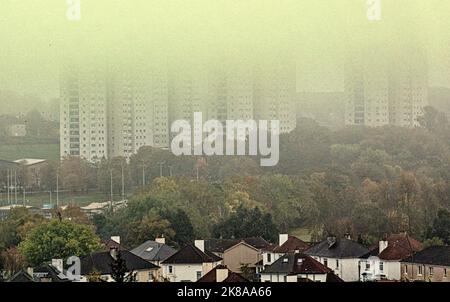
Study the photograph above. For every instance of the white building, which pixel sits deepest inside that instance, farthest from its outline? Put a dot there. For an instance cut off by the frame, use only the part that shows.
(342, 256)
(384, 261)
(190, 263)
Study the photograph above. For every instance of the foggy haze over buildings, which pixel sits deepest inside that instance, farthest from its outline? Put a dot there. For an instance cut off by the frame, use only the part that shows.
(319, 35)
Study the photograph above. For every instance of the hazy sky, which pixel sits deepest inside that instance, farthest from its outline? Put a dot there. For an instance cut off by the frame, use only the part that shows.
(36, 36)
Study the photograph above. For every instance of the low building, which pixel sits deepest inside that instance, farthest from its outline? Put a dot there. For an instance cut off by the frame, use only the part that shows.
(286, 244)
(190, 263)
(222, 274)
(298, 267)
(342, 255)
(155, 252)
(383, 261)
(100, 264)
(237, 253)
(431, 264)
(17, 130)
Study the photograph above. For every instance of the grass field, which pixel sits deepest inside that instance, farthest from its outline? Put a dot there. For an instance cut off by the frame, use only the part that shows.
(38, 199)
(41, 151)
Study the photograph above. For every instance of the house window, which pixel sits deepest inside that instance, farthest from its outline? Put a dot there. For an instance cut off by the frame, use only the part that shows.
(337, 263)
(406, 270)
(269, 258)
(325, 262)
(170, 269)
(367, 265)
(199, 275)
(431, 270)
(445, 272)
(420, 270)
(381, 266)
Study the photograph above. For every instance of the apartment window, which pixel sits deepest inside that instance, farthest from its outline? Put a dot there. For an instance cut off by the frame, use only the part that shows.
(269, 258)
(430, 269)
(325, 262)
(199, 275)
(420, 270)
(170, 269)
(381, 266)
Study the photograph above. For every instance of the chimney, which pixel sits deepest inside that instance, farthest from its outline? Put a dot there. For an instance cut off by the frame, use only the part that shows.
(283, 238)
(30, 271)
(200, 244)
(58, 264)
(383, 244)
(116, 239)
(161, 240)
(221, 273)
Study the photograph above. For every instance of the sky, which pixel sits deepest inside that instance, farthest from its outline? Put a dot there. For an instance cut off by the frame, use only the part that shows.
(36, 37)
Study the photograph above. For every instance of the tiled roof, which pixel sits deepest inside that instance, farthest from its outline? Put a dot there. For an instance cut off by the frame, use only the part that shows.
(154, 251)
(400, 246)
(338, 248)
(221, 245)
(297, 263)
(212, 275)
(191, 254)
(291, 245)
(435, 255)
(101, 263)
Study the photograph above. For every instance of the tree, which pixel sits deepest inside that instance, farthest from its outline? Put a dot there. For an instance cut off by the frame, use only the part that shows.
(247, 223)
(441, 227)
(119, 270)
(435, 241)
(13, 260)
(181, 224)
(58, 239)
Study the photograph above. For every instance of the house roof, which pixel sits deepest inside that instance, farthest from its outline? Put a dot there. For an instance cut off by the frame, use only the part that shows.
(221, 245)
(101, 263)
(399, 246)
(297, 263)
(291, 245)
(49, 271)
(29, 161)
(338, 248)
(211, 276)
(435, 255)
(154, 251)
(22, 276)
(191, 254)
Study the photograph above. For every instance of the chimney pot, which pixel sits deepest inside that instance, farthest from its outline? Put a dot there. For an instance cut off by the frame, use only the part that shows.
(200, 244)
(283, 238)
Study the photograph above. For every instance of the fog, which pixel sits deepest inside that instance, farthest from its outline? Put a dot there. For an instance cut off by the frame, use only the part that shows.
(36, 37)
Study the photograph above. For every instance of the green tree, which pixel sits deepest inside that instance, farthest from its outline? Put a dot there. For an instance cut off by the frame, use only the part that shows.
(441, 227)
(119, 270)
(58, 239)
(247, 223)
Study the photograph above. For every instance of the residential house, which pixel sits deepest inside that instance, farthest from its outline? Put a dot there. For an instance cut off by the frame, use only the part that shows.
(297, 267)
(431, 264)
(342, 255)
(190, 263)
(237, 253)
(155, 252)
(222, 274)
(286, 244)
(101, 264)
(383, 261)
